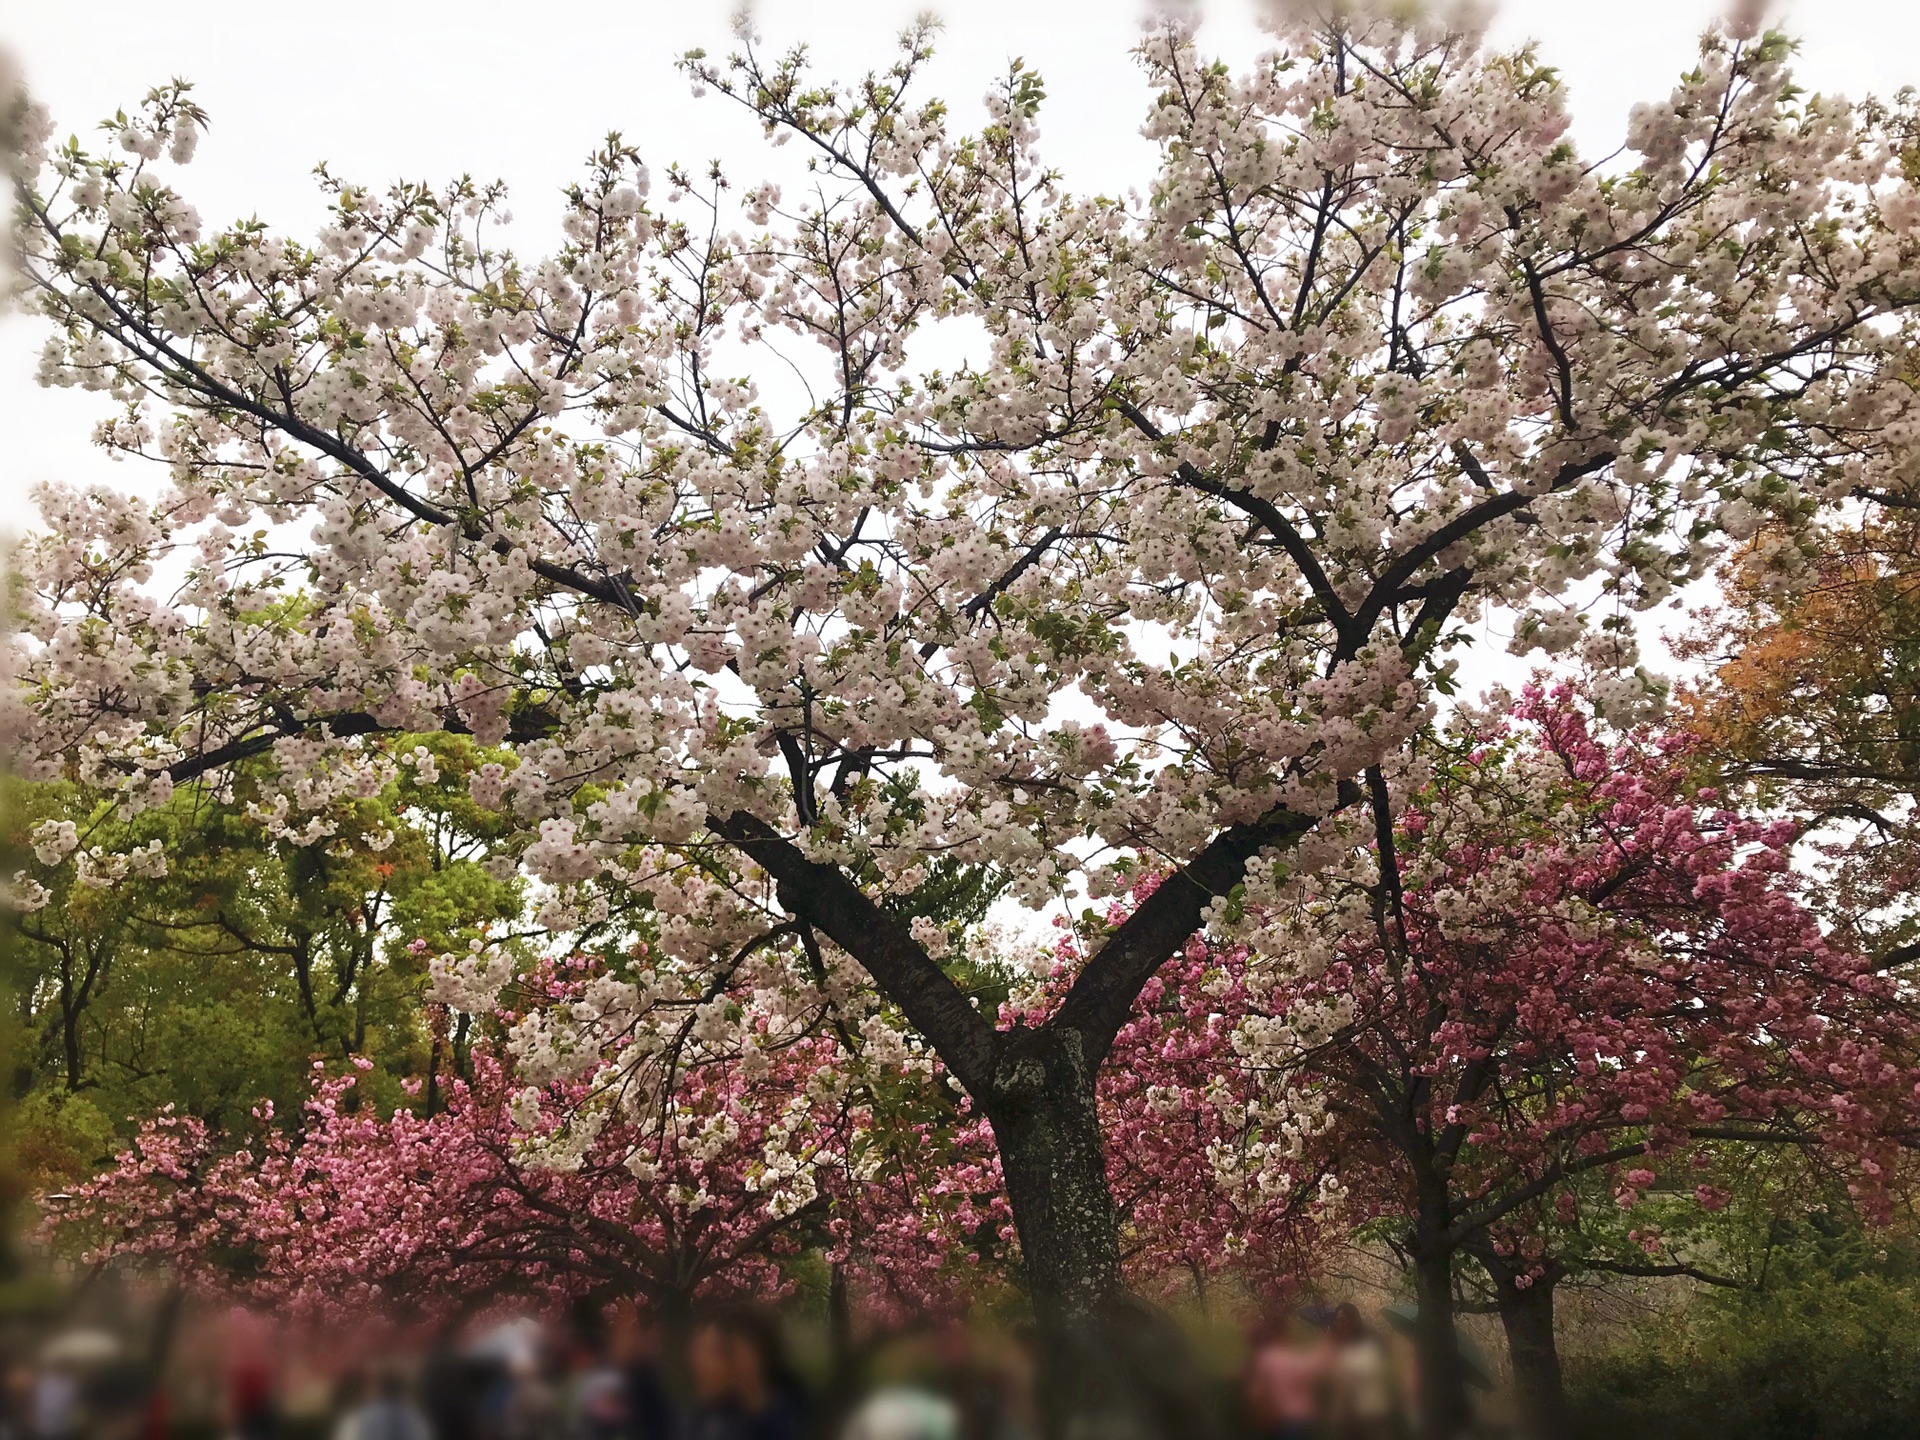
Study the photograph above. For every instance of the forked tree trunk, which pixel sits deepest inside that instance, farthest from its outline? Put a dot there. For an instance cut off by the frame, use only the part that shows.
(1036, 1088)
(1112, 1368)
(1048, 1130)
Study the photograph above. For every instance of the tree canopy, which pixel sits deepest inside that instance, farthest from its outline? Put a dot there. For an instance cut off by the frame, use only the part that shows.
(785, 572)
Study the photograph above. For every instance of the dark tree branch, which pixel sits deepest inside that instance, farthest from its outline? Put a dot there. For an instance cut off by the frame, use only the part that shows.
(825, 898)
(1692, 1272)
(1388, 588)
(1479, 1219)
(1100, 1000)
(1263, 511)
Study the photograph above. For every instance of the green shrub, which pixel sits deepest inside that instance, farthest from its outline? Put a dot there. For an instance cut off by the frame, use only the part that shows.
(1826, 1347)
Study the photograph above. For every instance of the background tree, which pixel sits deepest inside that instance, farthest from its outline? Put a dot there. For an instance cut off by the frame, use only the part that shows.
(1813, 704)
(1561, 961)
(228, 958)
(1821, 1347)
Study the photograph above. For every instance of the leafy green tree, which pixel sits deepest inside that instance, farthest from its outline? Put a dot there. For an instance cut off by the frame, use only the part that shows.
(1825, 1347)
(217, 980)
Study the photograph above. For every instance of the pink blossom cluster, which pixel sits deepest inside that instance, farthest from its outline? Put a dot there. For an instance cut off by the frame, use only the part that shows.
(1576, 963)
(495, 1189)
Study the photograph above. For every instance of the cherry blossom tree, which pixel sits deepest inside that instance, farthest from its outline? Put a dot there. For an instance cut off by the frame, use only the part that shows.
(777, 619)
(1213, 1171)
(166, 1199)
(504, 1190)
(408, 1219)
(1561, 963)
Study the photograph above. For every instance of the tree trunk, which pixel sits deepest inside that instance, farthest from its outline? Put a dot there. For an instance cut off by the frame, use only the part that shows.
(72, 1002)
(843, 1357)
(1527, 1315)
(303, 977)
(1111, 1366)
(673, 1314)
(433, 1075)
(1439, 1380)
(166, 1323)
(1047, 1127)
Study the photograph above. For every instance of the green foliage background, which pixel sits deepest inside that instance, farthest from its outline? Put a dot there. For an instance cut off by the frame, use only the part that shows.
(222, 984)
(1825, 1347)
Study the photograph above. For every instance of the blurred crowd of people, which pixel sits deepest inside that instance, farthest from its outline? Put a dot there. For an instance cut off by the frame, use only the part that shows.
(1316, 1375)
(518, 1380)
(1337, 1382)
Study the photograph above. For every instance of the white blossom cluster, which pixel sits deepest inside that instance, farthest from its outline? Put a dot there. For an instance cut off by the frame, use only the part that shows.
(1180, 548)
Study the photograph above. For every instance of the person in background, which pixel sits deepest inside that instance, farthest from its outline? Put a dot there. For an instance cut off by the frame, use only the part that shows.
(915, 1397)
(115, 1398)
(452, 1389)
(251, 1402)
(597, 1400)
(635, 1349)
(531, 1407)
(1361, 1399)
(385, 1412)
(54, 1412)
(1016, 1413)
(904, 1412)
(1286, 1381)
(16, 1399)
(742, 1388)
(991, 1382)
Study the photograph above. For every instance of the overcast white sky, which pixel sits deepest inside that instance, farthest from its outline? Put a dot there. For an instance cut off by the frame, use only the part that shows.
(385, 89)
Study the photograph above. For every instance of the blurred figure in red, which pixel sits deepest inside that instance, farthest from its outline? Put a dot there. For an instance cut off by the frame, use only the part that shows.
(251, 1403)
(16, 1399)
(1286, 1381)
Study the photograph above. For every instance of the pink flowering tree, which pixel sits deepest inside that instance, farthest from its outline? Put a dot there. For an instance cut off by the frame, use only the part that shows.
(550, 1193)
(168, 1200)
(406, 1218)
(1558, 965)
(1154, 570)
